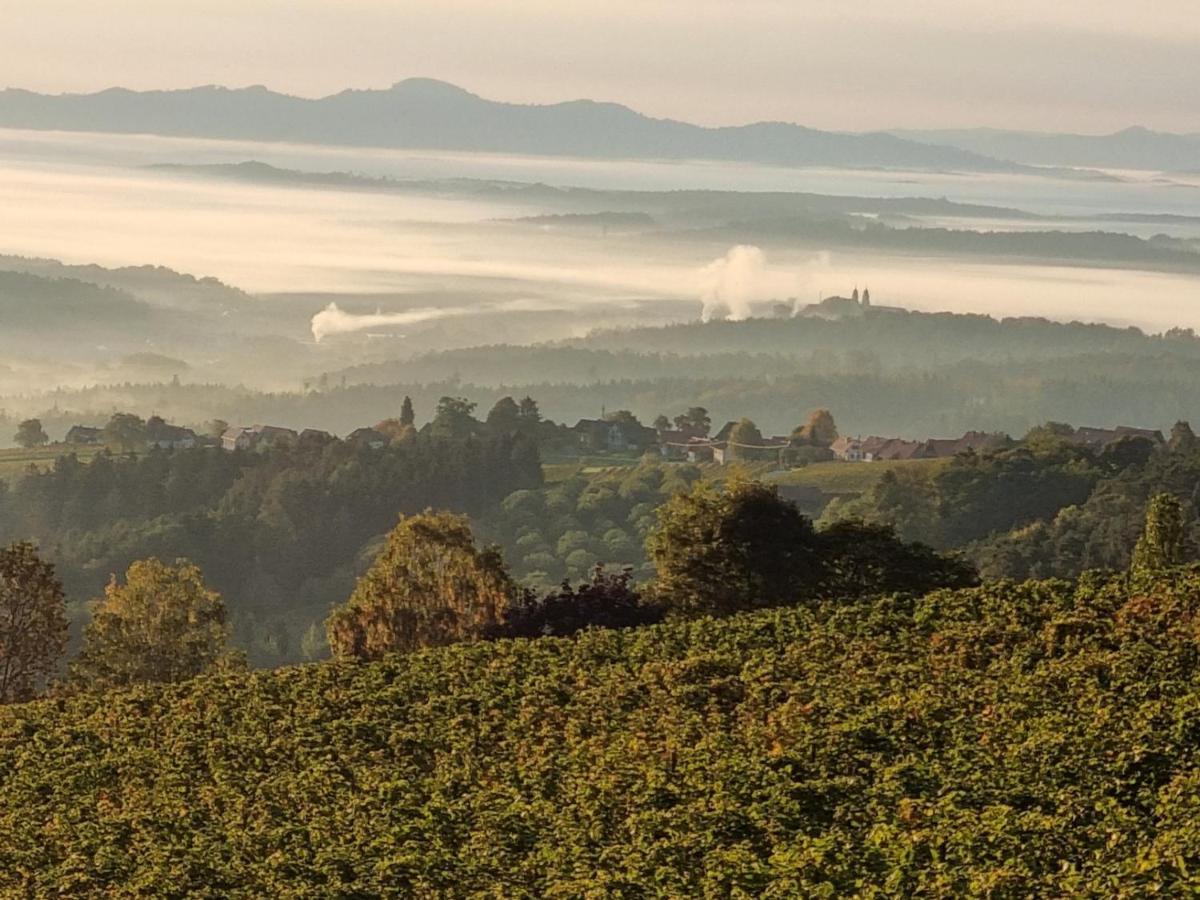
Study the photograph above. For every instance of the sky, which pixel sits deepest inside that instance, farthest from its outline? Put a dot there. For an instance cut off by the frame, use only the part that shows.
(1072, 65)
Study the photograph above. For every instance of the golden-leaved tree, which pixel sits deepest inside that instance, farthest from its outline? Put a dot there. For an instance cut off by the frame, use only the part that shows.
(162, 624)
(431, 585)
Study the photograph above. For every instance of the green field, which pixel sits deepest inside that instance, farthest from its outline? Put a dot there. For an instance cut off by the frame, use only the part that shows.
(16, 461)
(848, 477)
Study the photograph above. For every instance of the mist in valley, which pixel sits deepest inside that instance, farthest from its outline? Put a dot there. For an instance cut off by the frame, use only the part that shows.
(135, 259)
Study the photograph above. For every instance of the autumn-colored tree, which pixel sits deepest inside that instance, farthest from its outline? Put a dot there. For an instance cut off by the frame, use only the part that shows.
(395, 429)
(431, 585)
(819, 430)
(162, 624)
(33, 622)
(745, 440)
(31, 434)
(720, 551)
(1164, 537)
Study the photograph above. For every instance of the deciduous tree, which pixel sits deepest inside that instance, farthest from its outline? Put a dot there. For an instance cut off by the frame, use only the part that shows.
(1164, 537)
(33, 622)
(162, 624)
(30, 434)
(430, 585)
(718, 551)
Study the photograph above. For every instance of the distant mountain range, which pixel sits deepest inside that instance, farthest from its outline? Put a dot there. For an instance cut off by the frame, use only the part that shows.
(428, 114)
(423, 113)
(1132, 148)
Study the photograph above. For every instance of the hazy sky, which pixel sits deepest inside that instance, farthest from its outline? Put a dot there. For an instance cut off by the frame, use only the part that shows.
(1085, 65)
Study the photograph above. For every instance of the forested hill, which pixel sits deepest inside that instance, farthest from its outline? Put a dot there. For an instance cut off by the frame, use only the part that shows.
(880, 338)
(1006, 741)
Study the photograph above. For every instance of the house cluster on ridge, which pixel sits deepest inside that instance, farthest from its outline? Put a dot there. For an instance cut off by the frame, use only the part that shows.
(874, 448)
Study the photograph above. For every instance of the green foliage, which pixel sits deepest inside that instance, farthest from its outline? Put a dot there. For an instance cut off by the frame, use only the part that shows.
(30, 434)
(721, 551)
(1101, 529)
(33, 622)
(280, 534)
(607, 513)
(1032, 740)
(1164, 536)
(430, 586)
(861, 560)
(745, 440)
(504, 417)
(125, 431)
(454, 419)
(163, 624)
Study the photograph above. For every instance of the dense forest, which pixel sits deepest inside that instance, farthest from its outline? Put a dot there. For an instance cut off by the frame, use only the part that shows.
(281, 534)
(1046, 507)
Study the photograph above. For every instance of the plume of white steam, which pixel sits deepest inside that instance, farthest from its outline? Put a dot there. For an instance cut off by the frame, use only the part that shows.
(335, 320)
(729, 284)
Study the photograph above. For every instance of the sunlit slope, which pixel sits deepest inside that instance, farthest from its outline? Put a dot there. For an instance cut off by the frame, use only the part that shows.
(1007, 741)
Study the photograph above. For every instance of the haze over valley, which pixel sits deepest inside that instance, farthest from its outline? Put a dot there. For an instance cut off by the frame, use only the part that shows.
(297, 259)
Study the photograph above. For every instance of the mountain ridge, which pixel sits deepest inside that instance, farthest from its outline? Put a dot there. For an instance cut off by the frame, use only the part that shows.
(424, 113)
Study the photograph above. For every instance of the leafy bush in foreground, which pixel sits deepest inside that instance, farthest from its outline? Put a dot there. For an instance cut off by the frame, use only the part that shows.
(1014, 740)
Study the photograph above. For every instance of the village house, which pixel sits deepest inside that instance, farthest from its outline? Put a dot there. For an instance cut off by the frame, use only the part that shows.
(163, 436)
(875, 448)
(315, 436)
(615, 436)
(255, 436)
(1098, 438)
(367, 437)
(83, 435)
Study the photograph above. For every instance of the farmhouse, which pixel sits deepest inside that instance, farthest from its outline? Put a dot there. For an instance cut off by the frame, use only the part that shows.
(83, 434)
(875, 448)
(367, 437)
(168, 437)
(255, 436)
(1098, 438)
(602, 434)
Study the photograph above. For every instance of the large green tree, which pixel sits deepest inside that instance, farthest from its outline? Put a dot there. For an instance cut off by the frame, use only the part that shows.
(125, 430)
(721, 550)
(430, 585)
(162, 624)
(454, 419)
(31, 434)
(504, 417)
(33, 622)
